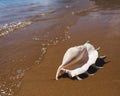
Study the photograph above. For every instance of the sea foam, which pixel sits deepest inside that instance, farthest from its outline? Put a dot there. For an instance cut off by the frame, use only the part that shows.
(11, 27)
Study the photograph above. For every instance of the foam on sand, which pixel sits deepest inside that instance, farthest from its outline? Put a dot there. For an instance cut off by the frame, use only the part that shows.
(8, 28)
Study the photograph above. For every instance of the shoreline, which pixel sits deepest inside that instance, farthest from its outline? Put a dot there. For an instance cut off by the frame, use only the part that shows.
(32, 47)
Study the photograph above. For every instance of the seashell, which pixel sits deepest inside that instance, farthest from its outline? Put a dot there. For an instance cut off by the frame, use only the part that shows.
(77, 60)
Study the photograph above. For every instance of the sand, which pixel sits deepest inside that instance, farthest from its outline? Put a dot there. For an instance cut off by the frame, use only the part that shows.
(40, 80)
(27, 69)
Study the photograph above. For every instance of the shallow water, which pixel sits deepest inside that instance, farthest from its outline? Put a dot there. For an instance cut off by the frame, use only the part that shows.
(30, 27)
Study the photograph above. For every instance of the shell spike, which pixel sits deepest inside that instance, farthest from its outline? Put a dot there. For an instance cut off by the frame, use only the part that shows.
(89, 74)
(87, 41)
(98, 48)
(78, 78)
(103, 57)
(97, 66)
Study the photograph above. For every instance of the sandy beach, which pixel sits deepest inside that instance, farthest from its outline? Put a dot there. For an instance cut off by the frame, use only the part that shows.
(32, 49)
(40, 80)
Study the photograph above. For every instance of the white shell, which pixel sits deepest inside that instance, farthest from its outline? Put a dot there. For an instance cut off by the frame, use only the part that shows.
(86, 54)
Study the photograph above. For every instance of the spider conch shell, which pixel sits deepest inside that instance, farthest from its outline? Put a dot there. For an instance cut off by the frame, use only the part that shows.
(77, 60)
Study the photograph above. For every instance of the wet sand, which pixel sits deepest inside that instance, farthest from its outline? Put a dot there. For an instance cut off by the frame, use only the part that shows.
(31, 51)
(40, 80)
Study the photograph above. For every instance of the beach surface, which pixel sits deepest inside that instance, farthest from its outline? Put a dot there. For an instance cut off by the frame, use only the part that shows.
(40, 80)
(32, 49)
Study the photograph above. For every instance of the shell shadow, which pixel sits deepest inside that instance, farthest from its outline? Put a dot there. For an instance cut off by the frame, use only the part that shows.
(91, 71)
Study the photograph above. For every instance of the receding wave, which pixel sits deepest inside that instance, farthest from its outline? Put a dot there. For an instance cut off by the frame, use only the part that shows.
(8, 28)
